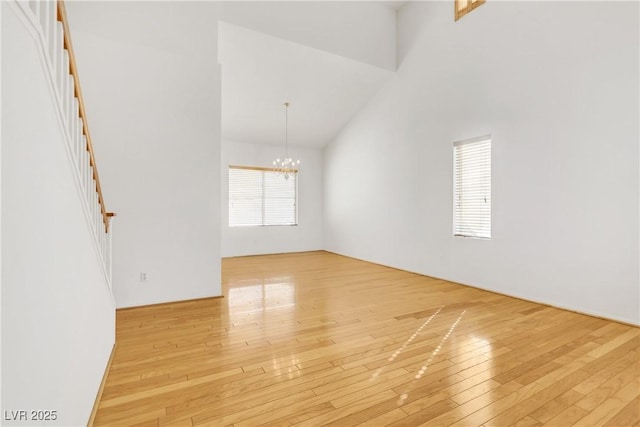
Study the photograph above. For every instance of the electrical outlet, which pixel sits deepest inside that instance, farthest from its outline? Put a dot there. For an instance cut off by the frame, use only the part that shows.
(143, 276)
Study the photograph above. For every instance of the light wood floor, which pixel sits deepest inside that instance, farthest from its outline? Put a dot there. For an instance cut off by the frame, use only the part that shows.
(317, 339)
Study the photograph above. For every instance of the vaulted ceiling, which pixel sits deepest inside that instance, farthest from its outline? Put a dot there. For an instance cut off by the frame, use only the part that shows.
(260, 72)
(327, 58)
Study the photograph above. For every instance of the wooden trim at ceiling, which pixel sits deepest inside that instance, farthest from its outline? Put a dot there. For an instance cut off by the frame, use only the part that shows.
(462, 7)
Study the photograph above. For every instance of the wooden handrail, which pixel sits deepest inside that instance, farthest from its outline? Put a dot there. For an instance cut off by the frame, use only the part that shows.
(73, 70)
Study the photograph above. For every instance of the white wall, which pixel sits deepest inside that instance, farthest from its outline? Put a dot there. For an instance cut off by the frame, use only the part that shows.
(58, 315)
(153, 98)
(556, 85)
(363, 31)
(307, 235)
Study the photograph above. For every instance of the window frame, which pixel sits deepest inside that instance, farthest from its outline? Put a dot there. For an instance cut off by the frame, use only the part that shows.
(263, 170)
(456, 196)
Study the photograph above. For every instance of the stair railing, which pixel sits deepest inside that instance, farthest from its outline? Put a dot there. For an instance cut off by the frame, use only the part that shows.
(50, 28)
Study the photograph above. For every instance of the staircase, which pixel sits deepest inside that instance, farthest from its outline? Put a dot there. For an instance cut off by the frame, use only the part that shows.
(48, 22)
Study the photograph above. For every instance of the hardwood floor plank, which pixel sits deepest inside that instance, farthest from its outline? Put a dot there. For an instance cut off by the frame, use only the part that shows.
(385, 419)
(166, 388)
(475, 391)
(428, 413)
(619, 379)
(602, 413)
(612, 370)
(315, 338)
(554, 407)
(295, 415)
(527, 422)
(537, 399)
(567, 417)
(627, 415)
(255, 410)
(497, 407)
(471, 406)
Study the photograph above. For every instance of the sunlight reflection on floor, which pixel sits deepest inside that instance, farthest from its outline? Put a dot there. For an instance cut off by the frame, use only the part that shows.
(406, 343)
(259, 295)
(434, 353)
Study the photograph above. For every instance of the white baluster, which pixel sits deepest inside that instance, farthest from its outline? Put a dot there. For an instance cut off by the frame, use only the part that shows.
(107, 261)
(83, 145)
(68, 123)
(88, 177)
(75, 111)
(59, 61)
(76, 106)
(106, 253)
(87, 189)
(102, 241)
(95, 221)
(98, 216)
(70, 107)
(58, 84)
(71, 119)
(92, 192)
(51, 33)
(64, 83)
(79, 137)
(45, 12)
(80, 167)
(84, 165)
(72, 125)
(109, 254)
(78, 158)
(92, 217)
(86, 184)
(94, 210)
(41, 10)
(90, 202)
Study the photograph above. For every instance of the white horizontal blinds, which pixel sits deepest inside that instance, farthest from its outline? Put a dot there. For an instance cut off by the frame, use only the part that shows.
(245, 197)
(472, 188)
(260, 196)
(280, 199)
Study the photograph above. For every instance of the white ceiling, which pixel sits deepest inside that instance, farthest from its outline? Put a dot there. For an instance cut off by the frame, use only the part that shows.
(393, 4)
(260, 72)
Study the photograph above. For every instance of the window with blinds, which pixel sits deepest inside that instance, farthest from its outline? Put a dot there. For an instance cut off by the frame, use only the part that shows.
(259, 196)
(472, 188)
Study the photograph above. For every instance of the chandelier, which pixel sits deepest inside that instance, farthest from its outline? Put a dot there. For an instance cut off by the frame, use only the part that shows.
(286, 166)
